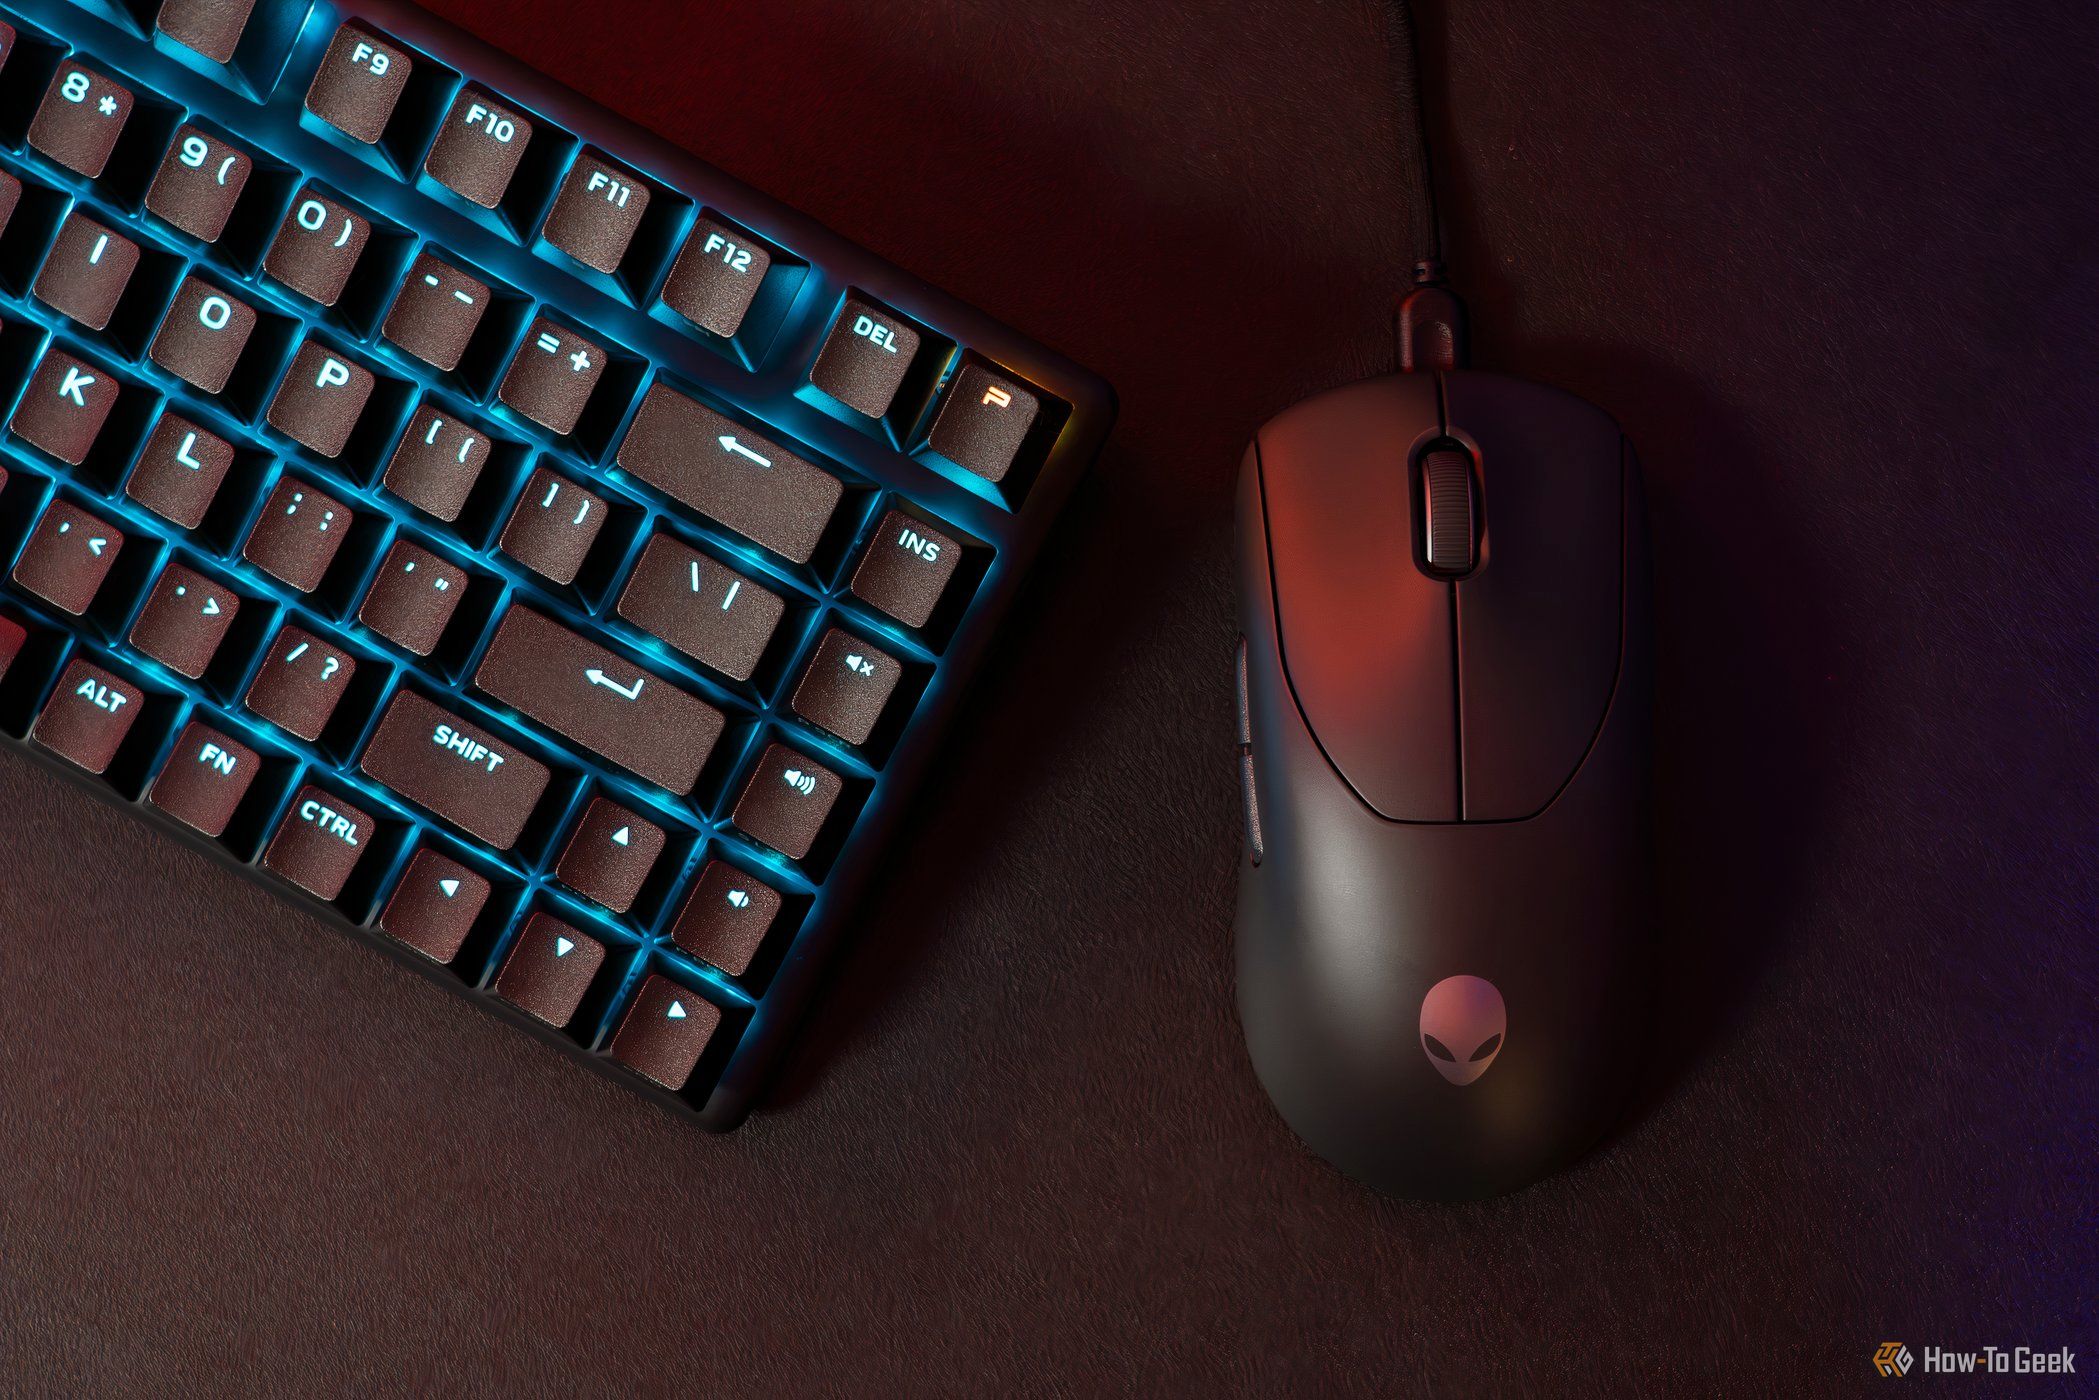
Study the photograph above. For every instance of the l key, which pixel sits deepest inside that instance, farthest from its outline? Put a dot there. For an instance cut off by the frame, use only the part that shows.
(608, 705)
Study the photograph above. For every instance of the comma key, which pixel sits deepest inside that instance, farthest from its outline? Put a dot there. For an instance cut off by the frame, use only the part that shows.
(206, 776)
(470, 777)
(320, 842)
(68, 555)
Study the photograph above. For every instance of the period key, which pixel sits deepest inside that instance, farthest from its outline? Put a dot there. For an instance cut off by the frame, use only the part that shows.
(470, 777)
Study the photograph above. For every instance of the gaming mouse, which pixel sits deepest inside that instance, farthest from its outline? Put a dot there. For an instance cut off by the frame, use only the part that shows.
(1444, 695)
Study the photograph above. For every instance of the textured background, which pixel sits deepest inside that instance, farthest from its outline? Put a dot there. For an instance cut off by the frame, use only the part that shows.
(1834, 268)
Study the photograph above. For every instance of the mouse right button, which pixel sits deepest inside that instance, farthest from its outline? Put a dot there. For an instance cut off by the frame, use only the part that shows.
(1538, 621)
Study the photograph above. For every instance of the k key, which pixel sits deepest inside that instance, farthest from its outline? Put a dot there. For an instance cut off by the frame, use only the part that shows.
(65, 406)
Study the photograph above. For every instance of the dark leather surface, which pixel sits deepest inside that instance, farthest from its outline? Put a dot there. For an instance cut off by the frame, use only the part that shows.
(1832, 266)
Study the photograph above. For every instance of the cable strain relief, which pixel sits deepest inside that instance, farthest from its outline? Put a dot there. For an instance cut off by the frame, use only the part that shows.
(1428, 325)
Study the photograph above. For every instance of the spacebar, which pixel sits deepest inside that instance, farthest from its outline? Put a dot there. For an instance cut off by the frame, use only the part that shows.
(607, 704)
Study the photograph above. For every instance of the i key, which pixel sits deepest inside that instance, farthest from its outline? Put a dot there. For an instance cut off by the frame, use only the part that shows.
(413, 597)
(360, 80)
(206, 776)
(553, 527)
(300, 683)
(319, 843)
(436, 463)
(321, 398)
(88, 716)
(210, 27)
(67, 557)
(551, 376)
(203, 334)
(595, 215)
(65, 406)
(549, 968)
(296, 536)
(179, 470)
(200, 178)
(435, 312)
(707, 610)
(316, 247)
(478, 147)
(185, 621)
(85, 274)
(78, 122)
(434, 907)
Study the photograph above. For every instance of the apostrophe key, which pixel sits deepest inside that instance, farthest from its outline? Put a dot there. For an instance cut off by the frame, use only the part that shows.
(360, 80)
(707, 610)
(65, 406)
(413, 597)
(297, 535)
(478, 147)
(88, 716)
(185, 620)
(865, 358)
(319, 843)
(434, 907)
(665, 1032)
(202, 337)
(211, 27)
(300, 682)
(787, 800)
(609, 856)
(549, 969)
(729, 473)
(80, 118)
(846, 686)
(205, 777)
(477, 780)
(179, 470)
(317, 246)
(69, 554)
(201, 177)
(436, 463)
(906, 568)
(595, 215)
(86, 271)
(727, 918)
(525, 541)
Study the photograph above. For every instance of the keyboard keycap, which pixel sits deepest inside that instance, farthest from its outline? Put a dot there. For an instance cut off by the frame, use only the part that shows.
(185, 621)
(983, 421)
(199, 181)
(202, 337)
(726, 919)
(210, 27)
(86, 271)
(865, 358)
(717, 274)
(436, 463)
(787, 801)
(551, 376)
(320, 399)
(595, 215)
(360, 80)
(847, 686)
(435, 312)
(478, 782)
(906, 568)
(317, 246)
(300, 683)
(13, 637)
(179, 470)
(413, 597)
(206, 776)
(665, 1032)
(553, 527)
(10, 196)
(478, 147)
(296, 536)
(434, 907)
(549, 969)
(65, 406)
(88, 716)
(707, 610)
(610, 855)
(730, 474)
(319, 843)
(68, 556)
(577, 688)
(80, 118)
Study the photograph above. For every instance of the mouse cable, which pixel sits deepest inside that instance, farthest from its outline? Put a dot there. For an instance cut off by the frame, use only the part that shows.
(1429, 320)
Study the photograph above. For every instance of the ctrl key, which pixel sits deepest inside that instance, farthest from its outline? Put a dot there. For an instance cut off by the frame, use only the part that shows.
(549, 969)
(87, 716)
(318, 846)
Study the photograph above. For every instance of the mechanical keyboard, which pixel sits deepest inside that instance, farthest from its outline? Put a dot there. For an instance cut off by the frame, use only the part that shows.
(540, 554)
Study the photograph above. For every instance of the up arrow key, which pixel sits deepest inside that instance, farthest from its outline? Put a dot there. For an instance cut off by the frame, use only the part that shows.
(677, 1011)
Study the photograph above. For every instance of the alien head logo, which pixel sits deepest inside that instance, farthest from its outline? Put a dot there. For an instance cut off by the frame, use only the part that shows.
(1463, 1022)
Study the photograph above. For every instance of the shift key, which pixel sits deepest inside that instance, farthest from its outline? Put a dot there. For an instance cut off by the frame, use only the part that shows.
(460, 771)
(607, 704)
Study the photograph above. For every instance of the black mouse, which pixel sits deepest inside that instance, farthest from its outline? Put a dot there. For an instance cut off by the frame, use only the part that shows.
(1444, 698)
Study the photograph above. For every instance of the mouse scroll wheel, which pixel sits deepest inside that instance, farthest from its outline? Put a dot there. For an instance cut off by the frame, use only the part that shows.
(1448, 530)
